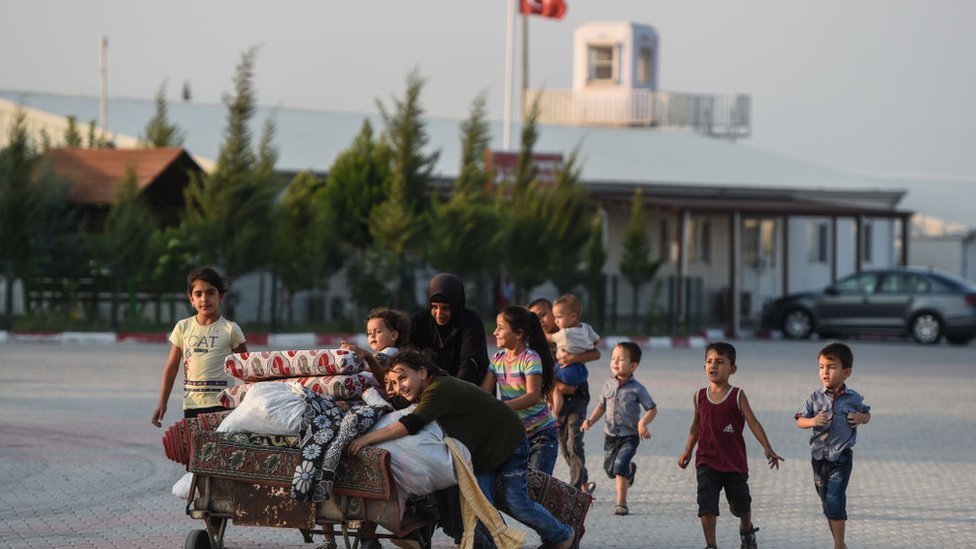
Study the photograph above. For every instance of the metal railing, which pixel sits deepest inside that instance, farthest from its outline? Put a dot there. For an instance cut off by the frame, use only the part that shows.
(718, 115)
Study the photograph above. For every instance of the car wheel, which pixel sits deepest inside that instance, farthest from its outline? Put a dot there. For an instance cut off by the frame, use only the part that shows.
(927, 328)
(797, 324)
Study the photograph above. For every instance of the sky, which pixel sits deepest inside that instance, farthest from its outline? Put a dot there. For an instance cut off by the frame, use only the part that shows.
(876, 87)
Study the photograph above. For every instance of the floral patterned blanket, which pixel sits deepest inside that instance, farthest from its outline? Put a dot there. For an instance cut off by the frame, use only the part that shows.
(326, 430)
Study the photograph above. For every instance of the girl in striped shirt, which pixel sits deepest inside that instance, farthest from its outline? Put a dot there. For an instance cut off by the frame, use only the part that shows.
(523, 372)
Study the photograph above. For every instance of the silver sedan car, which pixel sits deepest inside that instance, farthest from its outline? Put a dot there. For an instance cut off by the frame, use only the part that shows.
(924, 303)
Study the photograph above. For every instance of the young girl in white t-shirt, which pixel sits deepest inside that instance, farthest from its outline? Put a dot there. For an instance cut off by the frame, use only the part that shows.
(201, 343)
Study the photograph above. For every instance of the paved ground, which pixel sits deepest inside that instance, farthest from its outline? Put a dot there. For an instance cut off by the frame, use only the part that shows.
(80, 465)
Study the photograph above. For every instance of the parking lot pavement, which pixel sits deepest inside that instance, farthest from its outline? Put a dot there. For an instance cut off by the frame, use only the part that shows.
(80, 465)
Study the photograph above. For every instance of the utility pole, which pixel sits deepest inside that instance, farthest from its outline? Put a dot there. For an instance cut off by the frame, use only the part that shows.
(525, 67)
(509, 69)
(103, 83)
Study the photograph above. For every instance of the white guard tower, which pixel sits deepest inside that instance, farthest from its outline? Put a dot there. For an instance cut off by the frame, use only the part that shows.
(615, 83)
(614, 56)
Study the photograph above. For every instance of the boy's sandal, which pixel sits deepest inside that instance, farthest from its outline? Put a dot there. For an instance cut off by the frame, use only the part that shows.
(621, 510)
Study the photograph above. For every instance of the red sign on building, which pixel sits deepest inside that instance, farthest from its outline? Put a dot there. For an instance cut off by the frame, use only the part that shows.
(547, 166)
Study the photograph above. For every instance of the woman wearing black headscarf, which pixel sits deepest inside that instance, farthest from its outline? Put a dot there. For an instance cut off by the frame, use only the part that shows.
(453, 332)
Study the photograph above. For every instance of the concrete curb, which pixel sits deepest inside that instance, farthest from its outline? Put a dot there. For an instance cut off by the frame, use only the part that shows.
(310, 340)
(307, 340)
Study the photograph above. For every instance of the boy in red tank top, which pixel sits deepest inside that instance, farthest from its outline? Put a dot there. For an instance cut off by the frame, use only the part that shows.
(721, 411)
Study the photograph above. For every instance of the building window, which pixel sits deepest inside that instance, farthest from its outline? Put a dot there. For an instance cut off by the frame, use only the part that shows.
(817, 241)
(664, 243)
(644, 66)
(700, 244)
(759, 243)
(603, 64)
(867, 242)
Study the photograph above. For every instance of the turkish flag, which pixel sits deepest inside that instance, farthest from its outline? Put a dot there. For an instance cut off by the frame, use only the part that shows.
(555, 9)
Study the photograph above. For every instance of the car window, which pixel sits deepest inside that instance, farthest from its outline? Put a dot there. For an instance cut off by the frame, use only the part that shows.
(857, 284)
(904, 283)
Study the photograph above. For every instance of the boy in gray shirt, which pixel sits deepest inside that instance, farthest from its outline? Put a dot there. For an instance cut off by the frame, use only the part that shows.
(622, 399)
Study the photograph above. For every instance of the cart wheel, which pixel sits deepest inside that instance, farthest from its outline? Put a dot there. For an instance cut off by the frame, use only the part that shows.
(197, 539)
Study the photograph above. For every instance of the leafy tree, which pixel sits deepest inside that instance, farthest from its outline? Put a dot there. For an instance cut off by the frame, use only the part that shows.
(97, 139)
(635, 264)
(474, 175)
(594, 258)
(397, 222)
(229, 210)
(463, 239)
(121, 246)
(525, 217)
(365, 276)
(267, 152)
(525, 170)
(358, 180)
(568, 231)
(45, 141)
(463, 236)
(306, 251)
(31, 203)
(395, 230)
(406, 131)
(159, 131)
(72, 137)
(176, 253)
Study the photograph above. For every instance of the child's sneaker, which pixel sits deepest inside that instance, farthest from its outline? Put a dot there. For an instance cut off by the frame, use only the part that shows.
(589, 488)
(749, 539)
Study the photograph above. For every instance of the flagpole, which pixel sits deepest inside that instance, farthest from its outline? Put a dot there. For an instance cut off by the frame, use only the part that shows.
(509, 68)
(102, 84)
(523, 108)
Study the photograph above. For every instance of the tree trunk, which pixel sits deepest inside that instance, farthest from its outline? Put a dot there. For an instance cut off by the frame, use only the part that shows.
(8, 297)
(260, 296)
(114, 315)
(636, 299)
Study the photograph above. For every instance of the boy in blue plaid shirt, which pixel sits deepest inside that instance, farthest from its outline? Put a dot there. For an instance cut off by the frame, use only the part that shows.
(833, 412)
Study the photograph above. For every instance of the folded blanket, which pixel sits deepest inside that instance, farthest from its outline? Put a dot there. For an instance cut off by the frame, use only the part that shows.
(277, 364)
(178, 439)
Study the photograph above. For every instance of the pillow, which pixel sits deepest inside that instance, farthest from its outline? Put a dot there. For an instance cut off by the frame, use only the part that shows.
(278, 364)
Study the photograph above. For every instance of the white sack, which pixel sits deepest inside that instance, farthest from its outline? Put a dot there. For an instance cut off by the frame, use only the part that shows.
(421, 463)
(182, 487)
(270, 408)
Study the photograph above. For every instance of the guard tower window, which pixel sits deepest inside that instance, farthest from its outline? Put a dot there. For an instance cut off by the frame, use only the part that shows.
(603, 64)
(644, 66)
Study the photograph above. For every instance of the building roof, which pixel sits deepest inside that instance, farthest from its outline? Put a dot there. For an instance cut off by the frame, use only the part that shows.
(311, 140)
(95, 173)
